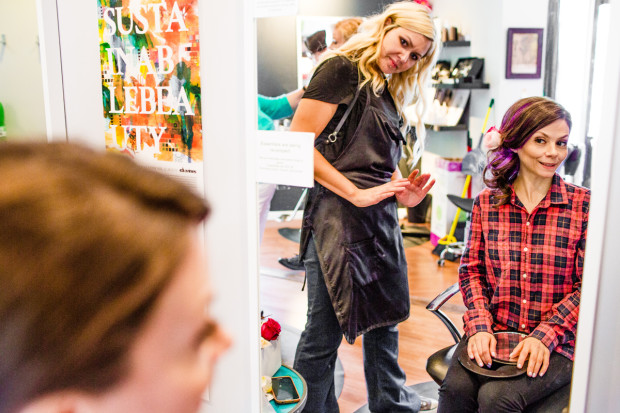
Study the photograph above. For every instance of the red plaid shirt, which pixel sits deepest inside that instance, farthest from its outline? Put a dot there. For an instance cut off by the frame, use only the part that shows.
(522, 272)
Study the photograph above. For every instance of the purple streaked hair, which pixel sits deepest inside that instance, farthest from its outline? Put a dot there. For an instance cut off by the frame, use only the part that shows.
(524, 118)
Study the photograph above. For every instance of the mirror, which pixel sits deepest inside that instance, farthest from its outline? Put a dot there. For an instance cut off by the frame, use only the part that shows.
(21, 84)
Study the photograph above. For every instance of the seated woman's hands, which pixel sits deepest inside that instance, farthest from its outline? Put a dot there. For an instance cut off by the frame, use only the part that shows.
(538, 355)
(481, 347)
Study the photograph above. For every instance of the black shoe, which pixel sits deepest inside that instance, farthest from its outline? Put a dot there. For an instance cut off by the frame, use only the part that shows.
(292, 263)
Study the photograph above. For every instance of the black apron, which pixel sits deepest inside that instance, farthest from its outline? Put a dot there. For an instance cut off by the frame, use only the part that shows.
(361, 249)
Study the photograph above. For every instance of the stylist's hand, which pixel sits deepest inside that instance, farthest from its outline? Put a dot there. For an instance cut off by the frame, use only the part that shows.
(372, 196)
(416, 190)
(538, 354)
(481, 347)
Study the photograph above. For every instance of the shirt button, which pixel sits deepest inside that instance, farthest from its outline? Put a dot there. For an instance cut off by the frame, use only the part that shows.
(524, 275)
(527, 223)
(525, 249)
(522, 325)
(524, 301)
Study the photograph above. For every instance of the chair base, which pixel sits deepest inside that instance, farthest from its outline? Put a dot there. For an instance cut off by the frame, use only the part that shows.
(427, 389)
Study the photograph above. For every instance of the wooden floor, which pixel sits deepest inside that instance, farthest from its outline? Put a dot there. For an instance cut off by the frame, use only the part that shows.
(422, 334)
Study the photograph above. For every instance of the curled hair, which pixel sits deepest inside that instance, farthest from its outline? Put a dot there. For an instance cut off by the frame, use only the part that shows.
(88, 243)
(522, 120)
(364, 48)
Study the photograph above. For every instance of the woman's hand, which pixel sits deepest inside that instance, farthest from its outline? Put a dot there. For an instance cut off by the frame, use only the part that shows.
(538, 355)
(481, 347)
(372, 196)
(416, 190)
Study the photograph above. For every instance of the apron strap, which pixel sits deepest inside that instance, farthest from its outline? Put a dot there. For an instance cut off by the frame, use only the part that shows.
(334, 135)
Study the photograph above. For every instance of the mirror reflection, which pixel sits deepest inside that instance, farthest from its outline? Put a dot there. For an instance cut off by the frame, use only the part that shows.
(469, 94)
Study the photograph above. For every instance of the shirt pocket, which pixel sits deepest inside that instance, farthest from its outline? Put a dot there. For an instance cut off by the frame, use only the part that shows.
(363, 261)
(500, 250)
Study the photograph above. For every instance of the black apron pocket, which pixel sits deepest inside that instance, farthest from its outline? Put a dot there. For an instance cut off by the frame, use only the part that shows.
(363, 261)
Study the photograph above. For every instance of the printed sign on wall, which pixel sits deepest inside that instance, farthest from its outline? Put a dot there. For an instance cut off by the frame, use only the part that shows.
(151, 84)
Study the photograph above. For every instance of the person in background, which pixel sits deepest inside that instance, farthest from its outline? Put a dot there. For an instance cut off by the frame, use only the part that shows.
(523, 265)
(343, 30)
(351, 242)
(99, 260)
(316, 45)
(269, 110)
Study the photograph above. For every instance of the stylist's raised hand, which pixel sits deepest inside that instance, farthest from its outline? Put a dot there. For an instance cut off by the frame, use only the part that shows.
(372, 196)
(481, 347)
(416, 190)
(538, 355)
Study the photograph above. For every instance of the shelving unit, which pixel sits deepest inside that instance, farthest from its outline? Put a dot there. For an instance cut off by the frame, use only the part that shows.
(463, 124)
(457, 43)
(462, 85)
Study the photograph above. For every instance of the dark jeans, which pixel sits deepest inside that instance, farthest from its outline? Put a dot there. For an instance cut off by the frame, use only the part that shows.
(464, 391)
(317, 350)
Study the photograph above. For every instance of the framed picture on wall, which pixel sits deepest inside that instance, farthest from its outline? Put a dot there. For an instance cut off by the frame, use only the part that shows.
(524, 53)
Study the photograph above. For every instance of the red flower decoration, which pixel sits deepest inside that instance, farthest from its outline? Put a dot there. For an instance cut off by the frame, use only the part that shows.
(270, 330)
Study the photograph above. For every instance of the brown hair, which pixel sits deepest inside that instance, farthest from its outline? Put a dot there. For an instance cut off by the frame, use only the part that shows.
(522, 120)
(88, 242)
(348, 27)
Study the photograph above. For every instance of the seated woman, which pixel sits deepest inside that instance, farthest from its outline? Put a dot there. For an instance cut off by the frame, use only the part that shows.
(523, 264)
(99, 261)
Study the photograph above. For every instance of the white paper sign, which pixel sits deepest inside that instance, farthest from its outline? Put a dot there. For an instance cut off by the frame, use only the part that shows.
(273, 8)
(285, 158)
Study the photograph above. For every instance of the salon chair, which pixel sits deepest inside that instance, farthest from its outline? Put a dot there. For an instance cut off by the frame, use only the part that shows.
(438, 363)
(293, 234)
(455, 250)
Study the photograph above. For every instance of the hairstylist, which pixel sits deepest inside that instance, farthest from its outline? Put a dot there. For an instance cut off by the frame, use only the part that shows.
(351, 241)
(523, 264)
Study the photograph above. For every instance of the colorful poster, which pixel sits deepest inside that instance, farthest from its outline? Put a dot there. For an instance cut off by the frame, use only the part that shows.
(151, 84)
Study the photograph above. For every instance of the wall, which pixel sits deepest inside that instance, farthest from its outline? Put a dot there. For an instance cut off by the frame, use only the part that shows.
(21, 91)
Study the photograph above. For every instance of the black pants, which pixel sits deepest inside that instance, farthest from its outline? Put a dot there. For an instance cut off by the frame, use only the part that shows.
(463, 391)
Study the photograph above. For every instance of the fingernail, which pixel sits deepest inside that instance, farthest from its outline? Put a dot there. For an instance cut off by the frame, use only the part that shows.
(494, 355)
(519, 366)
(489, 365)
(534, 375)
(480, 364)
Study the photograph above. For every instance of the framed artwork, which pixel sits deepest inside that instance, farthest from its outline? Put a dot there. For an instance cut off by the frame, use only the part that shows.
(524, 53)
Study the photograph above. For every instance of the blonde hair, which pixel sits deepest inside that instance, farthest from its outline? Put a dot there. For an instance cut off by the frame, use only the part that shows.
(348, 27)
(364, 49)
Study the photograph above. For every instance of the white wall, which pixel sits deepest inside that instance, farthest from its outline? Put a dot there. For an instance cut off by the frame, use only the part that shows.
(21, 91)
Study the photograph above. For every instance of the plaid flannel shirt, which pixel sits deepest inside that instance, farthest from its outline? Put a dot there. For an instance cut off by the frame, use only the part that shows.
(522, 272)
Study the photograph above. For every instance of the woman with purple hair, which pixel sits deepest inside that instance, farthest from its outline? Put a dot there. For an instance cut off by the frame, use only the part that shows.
(522, 269)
